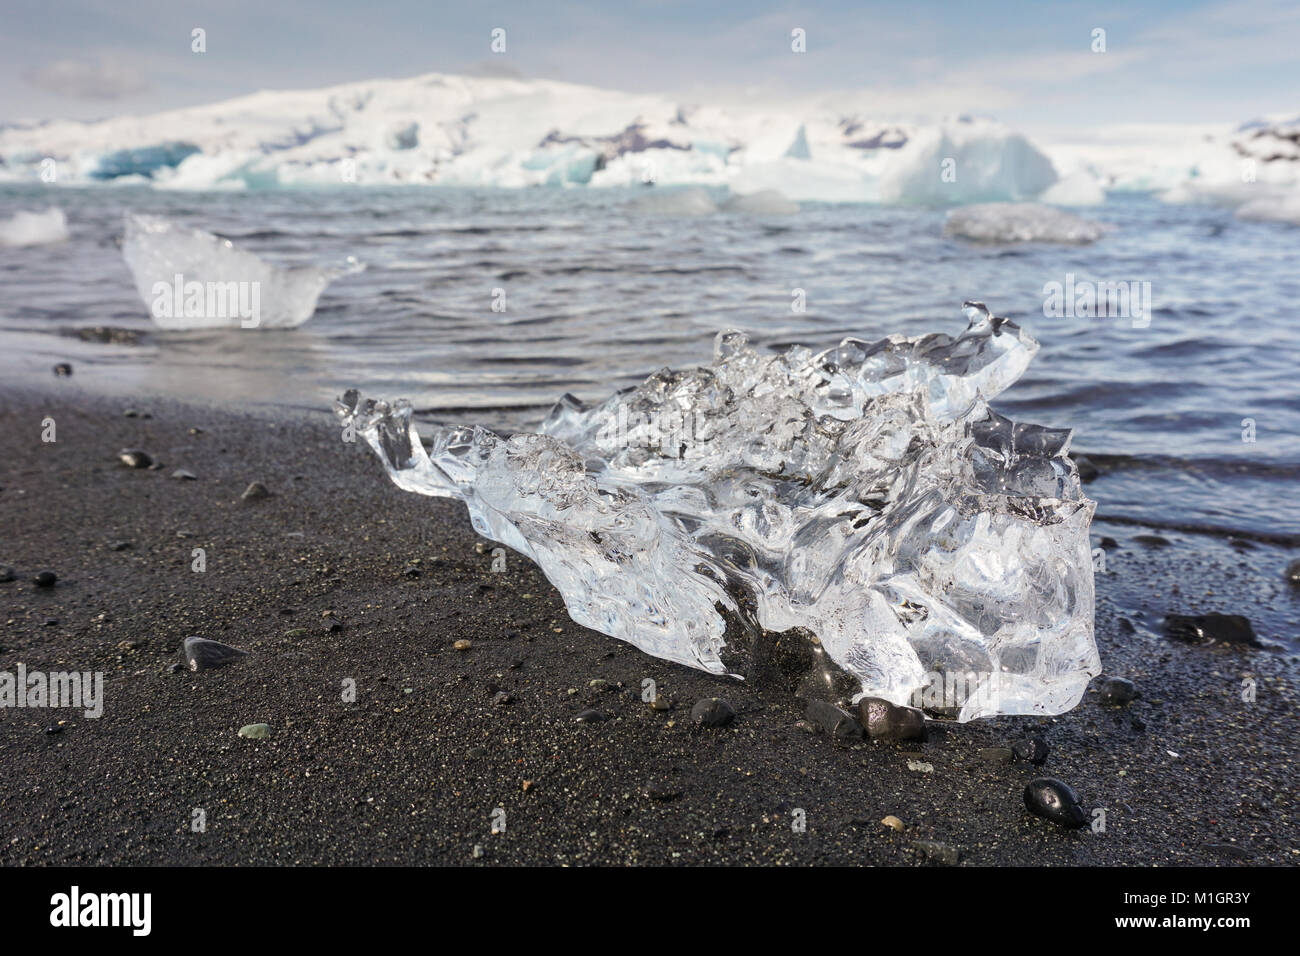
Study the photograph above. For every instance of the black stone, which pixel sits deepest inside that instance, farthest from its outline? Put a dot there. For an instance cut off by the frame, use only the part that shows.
(1211, 628)
(1293, 572)
(45, 579)
(712, 712)
(180, 474)
(63, 370)
(202, 654)
(836, 721)
(1033, 749)
(1117, 691)
(6, 573)
(135, 458)
(886, 721)
(937, 852)
(1055, 800)
(589, 717)
(663, 792)
(255, 491)
(1087, 470)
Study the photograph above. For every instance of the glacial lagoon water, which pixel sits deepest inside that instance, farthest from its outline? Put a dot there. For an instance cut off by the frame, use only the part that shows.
(599, 288)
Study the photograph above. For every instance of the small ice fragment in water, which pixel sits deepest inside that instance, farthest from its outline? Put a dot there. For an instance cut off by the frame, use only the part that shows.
(1021, 222)
(25, 228)
(220, 285)
(850, 523)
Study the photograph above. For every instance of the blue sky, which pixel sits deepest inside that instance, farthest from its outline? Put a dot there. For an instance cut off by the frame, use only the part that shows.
(1028, 63)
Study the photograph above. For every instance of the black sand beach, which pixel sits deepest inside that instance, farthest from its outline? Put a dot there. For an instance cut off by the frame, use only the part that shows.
(340, 575)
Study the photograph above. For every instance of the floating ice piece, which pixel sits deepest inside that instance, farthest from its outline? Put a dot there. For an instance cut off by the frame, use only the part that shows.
(34, 228)
(838, 524)
(1021, 222)
(1284, 207)
(692, 201)
(765, 202)
(191, 279)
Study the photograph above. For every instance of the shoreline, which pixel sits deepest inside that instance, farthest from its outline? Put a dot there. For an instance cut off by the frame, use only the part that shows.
(412, 771)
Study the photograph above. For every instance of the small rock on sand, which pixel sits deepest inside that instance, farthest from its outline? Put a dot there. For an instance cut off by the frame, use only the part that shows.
(202, 654)
(1055, 800)
(712, 712)
(255, 492)
(1117, 691)
(255, 731)
(886, 721)
(1210, 629)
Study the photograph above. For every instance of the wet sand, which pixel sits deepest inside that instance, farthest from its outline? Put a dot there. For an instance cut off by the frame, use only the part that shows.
(339, 576)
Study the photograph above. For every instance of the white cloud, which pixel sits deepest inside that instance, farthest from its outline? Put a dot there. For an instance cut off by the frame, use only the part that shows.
(96, 79)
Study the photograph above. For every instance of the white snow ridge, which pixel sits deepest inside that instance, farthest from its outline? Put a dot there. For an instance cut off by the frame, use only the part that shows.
(498, 131)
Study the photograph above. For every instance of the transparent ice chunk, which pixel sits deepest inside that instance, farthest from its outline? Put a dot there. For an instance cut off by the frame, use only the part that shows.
(850, 522)
(191, 279)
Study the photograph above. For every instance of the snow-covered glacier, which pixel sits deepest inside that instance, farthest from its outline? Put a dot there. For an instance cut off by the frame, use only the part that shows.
(508, 132)
(845, 523)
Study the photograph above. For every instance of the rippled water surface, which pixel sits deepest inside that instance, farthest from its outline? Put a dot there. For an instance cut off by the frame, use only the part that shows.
(601, 290)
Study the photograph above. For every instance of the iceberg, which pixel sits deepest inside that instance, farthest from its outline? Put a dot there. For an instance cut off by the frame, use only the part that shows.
(191, 279)
(1077, 189)
(34, 228)
(1283, 207)
(837, 524)
(508, 132)
(1021, 222)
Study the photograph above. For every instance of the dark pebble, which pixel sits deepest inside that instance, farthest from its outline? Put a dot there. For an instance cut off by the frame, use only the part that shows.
(663, 792)
(1152, 540)
(120, 546)
(45, 579)
(255, 491)
(839, 723)
(996, 755)
(1210, 628)
(1087, 470)
(134, 458)
(202, 654)
(886, 721)
(6, 573)
(712, 712)
(1293, 572)
(501, 698)
(1055, 800)
(1033, 749)
(54, 730)
(1109, 543)
(1117, 691)
(589, 717)
(175, 668)
(180, 474)
(63, 370)
(937, 852)
(51, 622)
